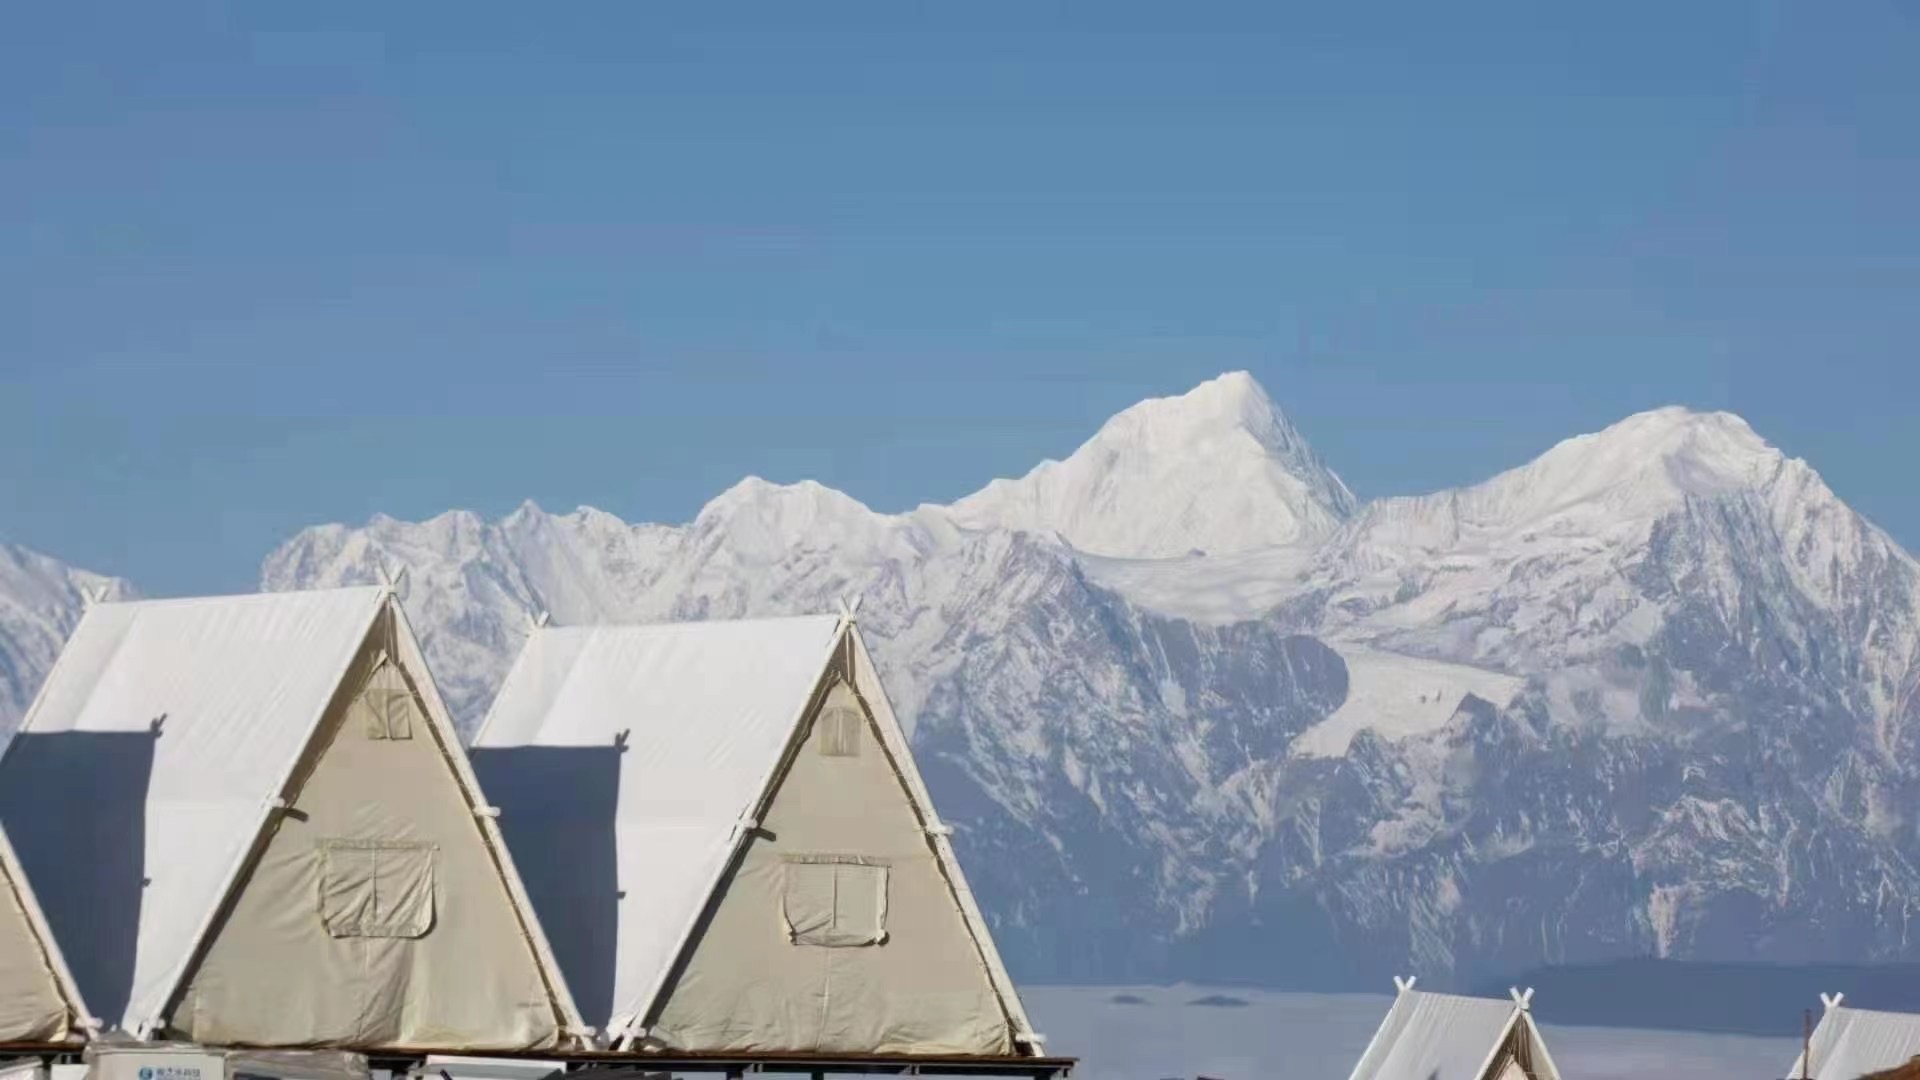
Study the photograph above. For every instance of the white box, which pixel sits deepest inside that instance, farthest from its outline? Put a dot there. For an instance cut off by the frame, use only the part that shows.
(135, 1063)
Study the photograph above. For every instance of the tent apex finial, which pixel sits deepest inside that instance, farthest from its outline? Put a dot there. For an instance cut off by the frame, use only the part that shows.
(1522, 999)
(1404, 983)
(850, 609)
(1831, 1001)
(390, 577)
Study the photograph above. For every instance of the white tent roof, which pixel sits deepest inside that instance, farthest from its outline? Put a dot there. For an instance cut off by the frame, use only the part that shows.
(710, 707)
(706, 710)
(1850, 1043)
(14, 880)
(236, 687)
(1445, 1037)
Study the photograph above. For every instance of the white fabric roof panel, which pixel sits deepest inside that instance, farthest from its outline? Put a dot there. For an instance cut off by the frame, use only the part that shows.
(1851, 1043)
(1437, 1037)
(705, 710)
(238, 685)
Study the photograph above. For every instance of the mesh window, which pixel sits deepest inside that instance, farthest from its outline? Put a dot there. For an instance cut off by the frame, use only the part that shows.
(840, 731)
(387, 705)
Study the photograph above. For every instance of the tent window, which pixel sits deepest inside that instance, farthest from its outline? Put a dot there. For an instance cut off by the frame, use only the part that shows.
(376, 888)
(840, 731)
(836, 901)
(389, 711)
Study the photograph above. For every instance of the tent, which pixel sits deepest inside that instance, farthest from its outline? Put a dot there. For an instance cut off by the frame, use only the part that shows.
(733, 833)
(1850, 1043)
(251, 824)
(39, 1002)
(1447, 1037)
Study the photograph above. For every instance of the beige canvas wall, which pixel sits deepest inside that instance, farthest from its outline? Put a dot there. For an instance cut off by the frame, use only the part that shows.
(1519, 1056)
(789, 959)
(376, 917)
(31, 1008)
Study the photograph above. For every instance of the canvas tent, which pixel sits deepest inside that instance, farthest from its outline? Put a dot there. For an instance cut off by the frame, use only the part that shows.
(759, 868)
(251, 824)
(1448, 1037)
(39, 1002)
(1851, 1043)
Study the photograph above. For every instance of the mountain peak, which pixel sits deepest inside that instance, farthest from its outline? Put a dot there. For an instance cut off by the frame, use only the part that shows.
(761, 497)
(1217, 469)
(1231, 401)
(767, 521)
(1621, 477)
(1650, 459)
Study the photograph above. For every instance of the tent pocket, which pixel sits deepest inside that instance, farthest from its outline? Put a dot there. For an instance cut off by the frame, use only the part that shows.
(837, 901)
(376, 888)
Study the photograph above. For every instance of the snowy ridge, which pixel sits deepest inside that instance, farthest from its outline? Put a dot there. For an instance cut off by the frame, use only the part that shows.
(41, 599)
(1195, 714)
(1652, 692)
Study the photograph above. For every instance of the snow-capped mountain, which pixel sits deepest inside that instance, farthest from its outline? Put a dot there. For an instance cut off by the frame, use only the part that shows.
(1198, 714)
(40, 600)
(1201, 715)
(1216, 470)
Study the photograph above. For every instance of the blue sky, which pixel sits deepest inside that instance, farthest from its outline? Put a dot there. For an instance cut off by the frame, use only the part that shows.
(270, 267)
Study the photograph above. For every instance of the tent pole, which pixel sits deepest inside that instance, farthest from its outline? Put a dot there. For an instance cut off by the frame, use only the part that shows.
(1806, 1044)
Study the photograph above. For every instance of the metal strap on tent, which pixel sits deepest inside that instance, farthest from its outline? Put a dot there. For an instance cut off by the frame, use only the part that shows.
(1404, 983)
(939, 828)
(1523, 999)
(486, 811)
(1031, 1038)
(1832, 1001)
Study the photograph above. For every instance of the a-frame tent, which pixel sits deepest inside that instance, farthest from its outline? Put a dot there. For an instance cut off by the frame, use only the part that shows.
(39, 1002)
(757, 865)
(251, 823)
(1449, 1037)
(1852, 1043)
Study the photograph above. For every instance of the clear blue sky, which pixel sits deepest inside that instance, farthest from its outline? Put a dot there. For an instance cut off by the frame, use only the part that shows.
(292, 263)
